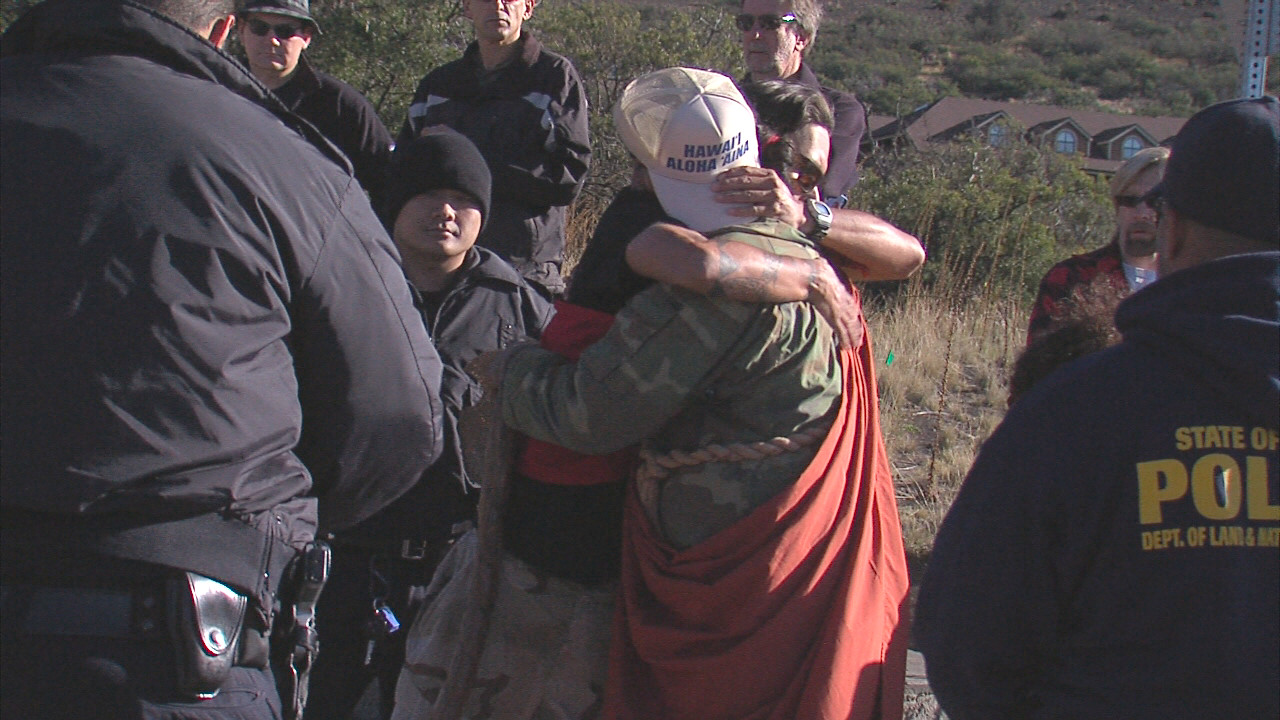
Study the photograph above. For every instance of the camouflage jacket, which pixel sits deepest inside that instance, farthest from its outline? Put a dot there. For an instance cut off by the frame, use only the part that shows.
(684, 371)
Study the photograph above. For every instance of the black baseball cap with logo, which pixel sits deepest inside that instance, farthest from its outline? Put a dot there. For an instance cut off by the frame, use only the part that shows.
(300, 9)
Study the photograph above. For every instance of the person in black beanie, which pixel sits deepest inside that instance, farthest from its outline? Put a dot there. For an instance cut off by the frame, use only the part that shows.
(441, 160)
(471, 301)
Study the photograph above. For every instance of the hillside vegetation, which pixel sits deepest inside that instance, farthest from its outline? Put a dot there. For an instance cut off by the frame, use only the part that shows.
(1161, 57)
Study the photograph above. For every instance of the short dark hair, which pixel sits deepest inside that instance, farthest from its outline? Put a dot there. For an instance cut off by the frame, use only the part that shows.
(785, 107)
(1084, 324)
(194, 14)
(782, 108)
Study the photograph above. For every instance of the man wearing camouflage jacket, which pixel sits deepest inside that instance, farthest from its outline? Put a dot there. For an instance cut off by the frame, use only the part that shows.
(762, 527)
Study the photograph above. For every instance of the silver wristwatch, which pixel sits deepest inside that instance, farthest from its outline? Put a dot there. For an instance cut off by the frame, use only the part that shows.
(820, 213)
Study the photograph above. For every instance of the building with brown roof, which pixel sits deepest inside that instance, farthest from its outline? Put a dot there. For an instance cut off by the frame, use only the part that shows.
(1105, 140)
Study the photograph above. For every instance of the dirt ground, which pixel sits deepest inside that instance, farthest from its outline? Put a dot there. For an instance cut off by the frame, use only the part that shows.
(918, 703)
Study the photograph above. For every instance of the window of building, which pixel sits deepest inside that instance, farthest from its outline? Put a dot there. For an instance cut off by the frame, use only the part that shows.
(1130, 147)
(1065, 142)
(997, 135)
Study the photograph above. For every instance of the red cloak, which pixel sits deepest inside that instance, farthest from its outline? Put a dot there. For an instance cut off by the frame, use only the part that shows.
(796, 612)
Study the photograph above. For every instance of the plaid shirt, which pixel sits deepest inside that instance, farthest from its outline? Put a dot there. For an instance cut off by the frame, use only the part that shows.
(1069, 278)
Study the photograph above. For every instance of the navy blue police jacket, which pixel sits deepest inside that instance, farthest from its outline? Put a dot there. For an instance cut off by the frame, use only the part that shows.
(1115, 550)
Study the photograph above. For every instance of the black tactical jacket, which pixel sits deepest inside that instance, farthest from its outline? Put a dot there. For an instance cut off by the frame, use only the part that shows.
(205, 327)
(346, 118)
(489, 307)
(528, 118)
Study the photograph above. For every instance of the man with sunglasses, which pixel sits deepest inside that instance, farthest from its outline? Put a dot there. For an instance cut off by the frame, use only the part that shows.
(776, 34)
(1122, 266)
(1115, 550)
(274, 34)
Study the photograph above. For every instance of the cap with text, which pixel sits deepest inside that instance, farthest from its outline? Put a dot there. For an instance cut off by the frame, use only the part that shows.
(687, 126)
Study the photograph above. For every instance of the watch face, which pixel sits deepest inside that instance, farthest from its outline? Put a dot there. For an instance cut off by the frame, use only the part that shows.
(821, 216)
(821, 213)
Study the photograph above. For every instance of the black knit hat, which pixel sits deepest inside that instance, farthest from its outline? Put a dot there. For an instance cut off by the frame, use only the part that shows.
(438, 160)
(1225, 168)
(300, 9)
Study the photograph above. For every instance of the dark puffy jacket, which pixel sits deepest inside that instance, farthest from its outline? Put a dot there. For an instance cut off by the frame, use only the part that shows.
(489, 307)
(529, 120)
(204, 322)
(346, 118)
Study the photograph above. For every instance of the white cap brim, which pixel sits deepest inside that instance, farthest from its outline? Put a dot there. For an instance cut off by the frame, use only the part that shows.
(687, 126)
(693, 204)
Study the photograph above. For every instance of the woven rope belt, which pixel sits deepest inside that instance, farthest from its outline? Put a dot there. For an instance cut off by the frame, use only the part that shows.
(656, 467)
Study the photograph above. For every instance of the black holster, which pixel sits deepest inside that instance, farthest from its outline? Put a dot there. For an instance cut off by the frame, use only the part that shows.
(294, 640)
(205, 622)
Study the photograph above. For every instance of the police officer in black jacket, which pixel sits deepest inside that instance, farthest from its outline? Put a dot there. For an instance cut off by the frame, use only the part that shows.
(204, 363)
(525, 108)
(274, 34)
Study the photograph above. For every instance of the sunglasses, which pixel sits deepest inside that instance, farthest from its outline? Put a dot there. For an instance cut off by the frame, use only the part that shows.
(746, 22)
(806, 175)
(1133, 201)
(1155, 200)
(284, 31)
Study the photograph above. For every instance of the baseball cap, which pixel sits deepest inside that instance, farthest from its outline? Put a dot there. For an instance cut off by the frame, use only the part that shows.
(1225, 168)
(687, 126)
(300, 9)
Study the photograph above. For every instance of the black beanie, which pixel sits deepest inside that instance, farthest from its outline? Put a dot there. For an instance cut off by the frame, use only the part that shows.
(1224, 171)
(439, 160)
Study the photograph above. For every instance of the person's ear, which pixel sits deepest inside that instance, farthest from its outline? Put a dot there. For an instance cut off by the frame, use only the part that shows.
(220, 29)
(528, 8)
(1175, 248)
(802, 42)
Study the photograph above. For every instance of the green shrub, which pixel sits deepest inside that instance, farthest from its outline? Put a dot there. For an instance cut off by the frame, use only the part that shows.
(1068, 38)
(993, 220)
(1141, 26)
(384, 47)
(998, 74)
(996, 20)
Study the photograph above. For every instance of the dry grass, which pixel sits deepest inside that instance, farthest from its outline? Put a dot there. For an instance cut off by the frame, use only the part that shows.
(941, 395)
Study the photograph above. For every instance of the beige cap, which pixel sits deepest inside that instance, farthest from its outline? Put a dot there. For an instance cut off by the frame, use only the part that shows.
(687, 126)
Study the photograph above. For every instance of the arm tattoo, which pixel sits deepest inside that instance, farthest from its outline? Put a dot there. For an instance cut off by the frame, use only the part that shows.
(726, 267)
(754, 281)
(750, 274)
